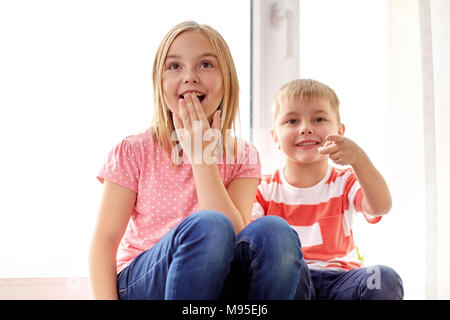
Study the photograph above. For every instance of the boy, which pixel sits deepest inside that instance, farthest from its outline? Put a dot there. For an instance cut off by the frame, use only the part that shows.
(318, 200)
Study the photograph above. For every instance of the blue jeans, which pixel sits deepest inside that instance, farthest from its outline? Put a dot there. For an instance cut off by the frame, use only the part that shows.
(202, 258)
(373, 283)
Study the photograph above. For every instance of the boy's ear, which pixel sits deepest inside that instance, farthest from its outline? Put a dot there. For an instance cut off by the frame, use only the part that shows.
(275, 137)
(341, 129)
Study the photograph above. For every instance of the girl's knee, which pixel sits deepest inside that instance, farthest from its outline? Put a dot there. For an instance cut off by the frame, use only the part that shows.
(274, 238)
(209, 225)
(273, 229)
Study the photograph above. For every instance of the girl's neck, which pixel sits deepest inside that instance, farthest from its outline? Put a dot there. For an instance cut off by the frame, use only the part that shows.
(305, 175)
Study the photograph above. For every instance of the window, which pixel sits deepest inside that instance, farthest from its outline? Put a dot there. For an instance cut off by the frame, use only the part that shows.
(75, 79)
(378, 56)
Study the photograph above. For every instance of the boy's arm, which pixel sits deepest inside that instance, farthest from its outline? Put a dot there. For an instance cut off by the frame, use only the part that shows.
(377, 199)
(376, 196)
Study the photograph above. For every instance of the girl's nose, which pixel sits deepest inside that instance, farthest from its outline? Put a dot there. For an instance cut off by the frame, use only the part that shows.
(190, 77)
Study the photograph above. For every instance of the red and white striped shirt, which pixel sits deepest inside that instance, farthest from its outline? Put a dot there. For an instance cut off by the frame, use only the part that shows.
(322, 215)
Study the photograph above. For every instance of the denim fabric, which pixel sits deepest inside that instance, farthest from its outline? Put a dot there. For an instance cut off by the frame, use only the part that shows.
(202, 259)
(268, 263)
(190, 262)
(373, 283)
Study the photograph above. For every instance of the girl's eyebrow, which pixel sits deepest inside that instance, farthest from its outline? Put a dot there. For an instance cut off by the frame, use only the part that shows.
(204, 55)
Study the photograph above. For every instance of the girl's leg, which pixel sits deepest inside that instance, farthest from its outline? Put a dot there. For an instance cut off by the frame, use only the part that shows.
(190, 262)
(268, 263)
(373, 283)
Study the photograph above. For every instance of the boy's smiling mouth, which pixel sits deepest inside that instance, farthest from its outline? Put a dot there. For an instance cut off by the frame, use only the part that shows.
(307, 144)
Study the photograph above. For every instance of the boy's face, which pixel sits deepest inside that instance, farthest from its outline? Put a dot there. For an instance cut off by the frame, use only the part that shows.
(302, 126)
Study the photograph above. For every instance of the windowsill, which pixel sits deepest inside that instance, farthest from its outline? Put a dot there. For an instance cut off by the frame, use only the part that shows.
(44, 289)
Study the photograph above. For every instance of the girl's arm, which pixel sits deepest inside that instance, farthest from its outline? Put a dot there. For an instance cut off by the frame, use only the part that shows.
(235, 201)
(191, 124)
(114, 213)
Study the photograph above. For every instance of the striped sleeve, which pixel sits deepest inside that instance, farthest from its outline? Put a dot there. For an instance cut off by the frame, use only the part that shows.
(355, 197)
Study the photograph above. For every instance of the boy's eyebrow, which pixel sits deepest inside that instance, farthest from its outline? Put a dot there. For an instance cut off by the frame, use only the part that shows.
(204, 55)
(293, 113)
(320, 111)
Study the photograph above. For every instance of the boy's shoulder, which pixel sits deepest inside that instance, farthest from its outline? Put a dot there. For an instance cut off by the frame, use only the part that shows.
(271, 178)
(339, 173)
(334, 174)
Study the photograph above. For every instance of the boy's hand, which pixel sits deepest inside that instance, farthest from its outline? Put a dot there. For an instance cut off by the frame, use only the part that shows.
(376, 196)
(342, 150)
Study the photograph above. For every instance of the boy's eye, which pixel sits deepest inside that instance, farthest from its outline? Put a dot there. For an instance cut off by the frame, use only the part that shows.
(291, 121)
(319, 119)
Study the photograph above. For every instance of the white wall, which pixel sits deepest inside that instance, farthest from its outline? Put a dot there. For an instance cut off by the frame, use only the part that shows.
(440, 23)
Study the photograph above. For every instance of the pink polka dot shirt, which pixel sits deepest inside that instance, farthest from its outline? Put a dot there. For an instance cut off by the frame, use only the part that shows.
(165, 195)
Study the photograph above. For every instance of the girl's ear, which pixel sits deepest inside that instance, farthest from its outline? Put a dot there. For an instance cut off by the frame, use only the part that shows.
(341, 129)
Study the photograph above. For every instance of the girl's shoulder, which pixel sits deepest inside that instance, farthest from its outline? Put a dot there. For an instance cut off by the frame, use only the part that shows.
(247, 152)
(142, 140)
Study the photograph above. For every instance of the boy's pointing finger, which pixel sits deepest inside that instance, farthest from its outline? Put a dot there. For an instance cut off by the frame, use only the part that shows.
(334, 137)
(328, 149)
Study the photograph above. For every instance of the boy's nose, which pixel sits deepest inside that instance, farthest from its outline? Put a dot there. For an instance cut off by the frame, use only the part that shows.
(305, 130)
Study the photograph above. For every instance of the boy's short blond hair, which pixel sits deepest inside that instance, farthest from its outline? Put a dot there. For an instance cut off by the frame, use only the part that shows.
(305, 89)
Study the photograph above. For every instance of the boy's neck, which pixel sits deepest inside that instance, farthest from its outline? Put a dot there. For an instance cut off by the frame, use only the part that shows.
(305, 175)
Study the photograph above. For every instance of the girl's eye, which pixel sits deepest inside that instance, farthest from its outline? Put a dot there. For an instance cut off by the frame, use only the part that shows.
(206, 65)
(173, 66)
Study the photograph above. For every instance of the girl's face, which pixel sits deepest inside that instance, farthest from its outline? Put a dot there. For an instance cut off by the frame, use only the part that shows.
(191, 65)
(301, 127)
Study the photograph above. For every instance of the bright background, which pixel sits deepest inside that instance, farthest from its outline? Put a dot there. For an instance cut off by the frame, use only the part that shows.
(75, 79)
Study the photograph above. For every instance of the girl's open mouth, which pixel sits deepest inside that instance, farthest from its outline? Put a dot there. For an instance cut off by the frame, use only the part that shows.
(200, 96)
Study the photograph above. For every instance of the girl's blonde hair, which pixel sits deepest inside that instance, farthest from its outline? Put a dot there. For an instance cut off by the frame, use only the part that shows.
(305, 89)
(162, 125)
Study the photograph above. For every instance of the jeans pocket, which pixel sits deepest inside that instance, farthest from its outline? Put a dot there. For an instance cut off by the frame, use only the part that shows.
(123, 294)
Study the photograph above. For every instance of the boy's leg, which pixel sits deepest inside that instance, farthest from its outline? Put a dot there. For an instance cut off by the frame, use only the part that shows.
(372, 283)
(190, 262)
(268, 263)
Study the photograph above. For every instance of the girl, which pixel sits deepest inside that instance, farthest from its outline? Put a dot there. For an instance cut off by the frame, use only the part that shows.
(172, 207)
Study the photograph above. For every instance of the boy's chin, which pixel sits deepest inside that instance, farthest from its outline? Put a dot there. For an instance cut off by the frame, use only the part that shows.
(307, 160)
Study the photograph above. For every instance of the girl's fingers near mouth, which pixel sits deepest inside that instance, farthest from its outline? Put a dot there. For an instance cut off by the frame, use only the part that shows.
(190, 107)
(199, 109)
(184, 114)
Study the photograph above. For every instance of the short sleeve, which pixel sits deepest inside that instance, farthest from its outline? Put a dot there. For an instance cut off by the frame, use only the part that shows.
(248, 162)
(121, 166)
(355, 197)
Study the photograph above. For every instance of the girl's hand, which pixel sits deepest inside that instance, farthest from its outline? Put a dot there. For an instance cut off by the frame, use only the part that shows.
(342, 150)
(194, 131)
